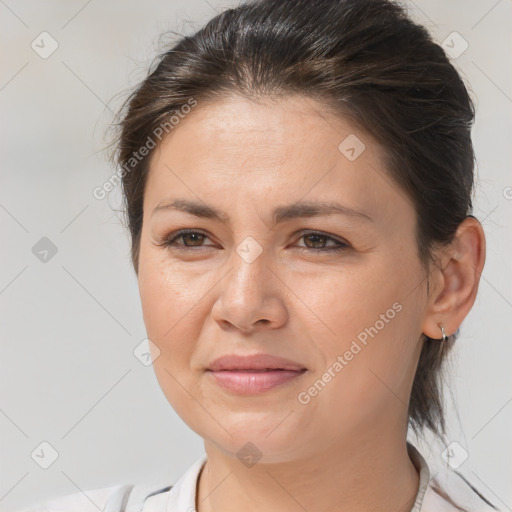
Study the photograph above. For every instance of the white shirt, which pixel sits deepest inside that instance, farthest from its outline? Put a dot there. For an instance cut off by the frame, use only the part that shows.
(444, 491)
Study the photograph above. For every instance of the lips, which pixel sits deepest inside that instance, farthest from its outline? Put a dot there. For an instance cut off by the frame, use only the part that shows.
(254, 374)
(254, 363)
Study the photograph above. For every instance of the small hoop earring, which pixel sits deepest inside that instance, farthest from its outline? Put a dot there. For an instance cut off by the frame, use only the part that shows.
(444, 334)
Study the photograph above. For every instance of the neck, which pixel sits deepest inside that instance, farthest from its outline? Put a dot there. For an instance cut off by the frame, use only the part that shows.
(372, 472)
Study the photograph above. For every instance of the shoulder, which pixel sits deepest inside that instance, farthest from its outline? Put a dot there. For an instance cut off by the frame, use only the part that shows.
(116, 498)
(450, 491)
(443, 489)
(88, 500)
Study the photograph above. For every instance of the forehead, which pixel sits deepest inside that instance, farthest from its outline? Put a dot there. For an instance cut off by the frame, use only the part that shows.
(273, 131)
(294, 148)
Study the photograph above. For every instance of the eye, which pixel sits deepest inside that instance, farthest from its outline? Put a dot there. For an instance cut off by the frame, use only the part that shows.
(317, 239)
(193, 238)
(188, 235)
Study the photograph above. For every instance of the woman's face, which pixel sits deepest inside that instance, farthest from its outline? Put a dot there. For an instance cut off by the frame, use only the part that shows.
(341, 295)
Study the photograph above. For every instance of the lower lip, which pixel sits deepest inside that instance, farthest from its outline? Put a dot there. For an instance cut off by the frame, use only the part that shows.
(252, 383)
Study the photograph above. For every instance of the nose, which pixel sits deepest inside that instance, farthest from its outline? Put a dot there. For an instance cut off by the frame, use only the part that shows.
(250, 296)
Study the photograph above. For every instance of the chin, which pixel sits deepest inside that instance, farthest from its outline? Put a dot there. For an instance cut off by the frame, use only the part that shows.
(253, 437)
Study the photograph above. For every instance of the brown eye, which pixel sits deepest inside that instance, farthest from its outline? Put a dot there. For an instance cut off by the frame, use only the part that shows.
(195, 239)
(189, 237)
(317, 241)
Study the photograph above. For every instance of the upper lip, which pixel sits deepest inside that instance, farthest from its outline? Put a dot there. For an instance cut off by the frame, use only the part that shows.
(254, 362)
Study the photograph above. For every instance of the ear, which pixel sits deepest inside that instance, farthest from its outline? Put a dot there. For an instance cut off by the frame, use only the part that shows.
(456, 280)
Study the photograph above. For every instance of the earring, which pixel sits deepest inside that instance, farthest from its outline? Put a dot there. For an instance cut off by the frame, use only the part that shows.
(444, 334)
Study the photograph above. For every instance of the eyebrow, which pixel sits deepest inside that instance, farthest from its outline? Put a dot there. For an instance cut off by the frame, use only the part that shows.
(280, 214)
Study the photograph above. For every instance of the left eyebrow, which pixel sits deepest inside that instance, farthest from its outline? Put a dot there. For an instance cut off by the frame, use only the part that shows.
(317, 208)
(280, 214)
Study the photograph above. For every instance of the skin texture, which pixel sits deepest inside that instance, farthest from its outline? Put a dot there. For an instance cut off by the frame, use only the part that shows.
(346, 448)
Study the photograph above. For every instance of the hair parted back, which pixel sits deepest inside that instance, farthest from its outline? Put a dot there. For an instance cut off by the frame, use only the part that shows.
(363, 59)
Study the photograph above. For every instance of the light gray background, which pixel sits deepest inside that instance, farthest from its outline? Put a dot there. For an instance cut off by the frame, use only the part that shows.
(69, 326)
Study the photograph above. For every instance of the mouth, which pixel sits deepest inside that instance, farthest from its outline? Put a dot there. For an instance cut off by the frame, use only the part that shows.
(256, 370)
(253, 374)
(253, 381)
(254, 363)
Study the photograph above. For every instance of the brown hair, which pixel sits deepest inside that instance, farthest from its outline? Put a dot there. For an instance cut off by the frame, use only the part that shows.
(367, 60)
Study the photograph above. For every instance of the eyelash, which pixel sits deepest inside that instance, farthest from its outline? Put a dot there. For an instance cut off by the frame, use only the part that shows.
(169, 242)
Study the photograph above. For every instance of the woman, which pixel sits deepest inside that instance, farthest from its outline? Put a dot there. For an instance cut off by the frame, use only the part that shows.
(298, 179)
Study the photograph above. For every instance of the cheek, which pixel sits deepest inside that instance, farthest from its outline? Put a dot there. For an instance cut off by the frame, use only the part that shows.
(166, 291)
(380, 284)
(168, 311)
(349, 299)
(167, 307)
(372, 316)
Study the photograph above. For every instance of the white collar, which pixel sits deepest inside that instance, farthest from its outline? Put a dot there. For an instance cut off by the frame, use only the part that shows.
(182, 496)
